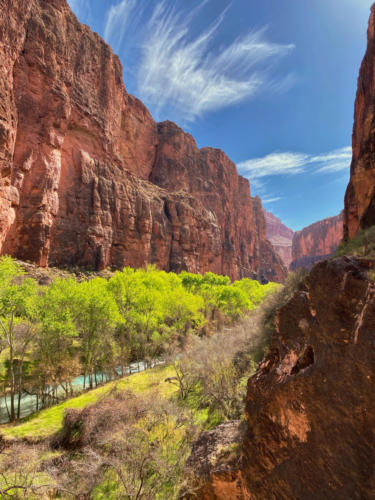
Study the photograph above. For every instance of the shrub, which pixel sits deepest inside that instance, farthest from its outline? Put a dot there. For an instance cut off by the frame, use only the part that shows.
(362, 245)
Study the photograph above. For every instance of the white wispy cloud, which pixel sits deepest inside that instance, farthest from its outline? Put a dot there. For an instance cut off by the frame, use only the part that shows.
(189, 74)
(289, 163)
(271, 199)
(274, 164)
(336, 161)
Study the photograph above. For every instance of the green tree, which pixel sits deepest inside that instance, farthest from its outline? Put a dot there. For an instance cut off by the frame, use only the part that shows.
(96, 322)
(18, 299)
(55, 357)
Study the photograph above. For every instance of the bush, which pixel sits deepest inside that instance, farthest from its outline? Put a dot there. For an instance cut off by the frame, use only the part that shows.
(125, 446)
(362, 245)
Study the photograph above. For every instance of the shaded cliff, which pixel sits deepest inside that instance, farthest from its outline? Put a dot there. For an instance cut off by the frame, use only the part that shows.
(77, 154)
(360, 194)
(316, 242)
(280, 236)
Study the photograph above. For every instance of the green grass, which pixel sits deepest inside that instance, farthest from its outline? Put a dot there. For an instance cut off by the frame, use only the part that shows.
(45, 423)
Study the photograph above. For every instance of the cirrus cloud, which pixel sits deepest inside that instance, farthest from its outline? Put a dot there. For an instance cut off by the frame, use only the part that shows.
(289, 163)
(191, 75)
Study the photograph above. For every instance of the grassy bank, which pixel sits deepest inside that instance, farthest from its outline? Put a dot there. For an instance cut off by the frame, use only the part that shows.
(47, 422)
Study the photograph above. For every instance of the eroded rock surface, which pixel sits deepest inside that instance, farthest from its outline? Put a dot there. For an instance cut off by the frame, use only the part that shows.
(360, 194)
(88, 178)
(213, 468)
(310, 407)
(316, 242)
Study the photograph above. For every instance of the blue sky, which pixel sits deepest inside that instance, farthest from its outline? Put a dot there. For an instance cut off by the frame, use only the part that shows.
(271, 82)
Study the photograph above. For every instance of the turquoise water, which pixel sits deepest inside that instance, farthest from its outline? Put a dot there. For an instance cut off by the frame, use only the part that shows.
(28, 402)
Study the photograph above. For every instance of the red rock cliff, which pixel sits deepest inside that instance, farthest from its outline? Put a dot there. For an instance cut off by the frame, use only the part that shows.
(316, 242)
(88, 177)
(360, 194)
(280, 236)
(310, 408)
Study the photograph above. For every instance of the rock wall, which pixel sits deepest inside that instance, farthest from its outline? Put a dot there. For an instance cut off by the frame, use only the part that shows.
(310, 409)
(88, 178)
(280, 236)
(316, 242)
(360, 194)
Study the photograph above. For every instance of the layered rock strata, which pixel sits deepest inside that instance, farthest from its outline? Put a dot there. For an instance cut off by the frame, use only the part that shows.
(88, 178)
(316, 242)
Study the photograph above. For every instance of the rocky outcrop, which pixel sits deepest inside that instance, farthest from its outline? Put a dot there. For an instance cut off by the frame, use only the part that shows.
(213, 468)
(88, 178)
(280, 236)
(360, 194)
(316, 242)
(310, 408)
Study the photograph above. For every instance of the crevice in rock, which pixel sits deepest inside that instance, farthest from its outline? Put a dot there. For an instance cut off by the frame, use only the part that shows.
(307, 359)
(167, 211)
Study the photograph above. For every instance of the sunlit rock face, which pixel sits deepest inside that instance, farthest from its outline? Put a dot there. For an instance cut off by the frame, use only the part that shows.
(316, 242)
(310, 408)
(280, 236)
(360, 194)
(88, 178)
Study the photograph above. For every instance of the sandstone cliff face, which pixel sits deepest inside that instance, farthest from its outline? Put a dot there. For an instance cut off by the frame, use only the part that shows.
(360, 194)
(280, 236)
(310, 408)
(88, 177)
(316, 242)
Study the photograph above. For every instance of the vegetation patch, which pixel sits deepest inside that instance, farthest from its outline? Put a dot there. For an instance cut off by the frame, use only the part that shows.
(131, 437)
(362, 245)
(51, 334)
(49, 421)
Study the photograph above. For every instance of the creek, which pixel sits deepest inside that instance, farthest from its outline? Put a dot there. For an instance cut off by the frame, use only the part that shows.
(30, 403)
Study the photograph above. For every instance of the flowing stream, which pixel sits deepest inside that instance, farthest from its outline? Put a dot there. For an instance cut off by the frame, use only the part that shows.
(29, 402)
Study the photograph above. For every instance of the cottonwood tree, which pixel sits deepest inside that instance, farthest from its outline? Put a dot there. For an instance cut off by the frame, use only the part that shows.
(18, 298)
(96, 321)
(55, 358)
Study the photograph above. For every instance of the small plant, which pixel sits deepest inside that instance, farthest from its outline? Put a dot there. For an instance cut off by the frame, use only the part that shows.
(362, 245)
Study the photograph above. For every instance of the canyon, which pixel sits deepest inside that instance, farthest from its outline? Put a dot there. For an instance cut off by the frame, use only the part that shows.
(316, 242)
(302, 249)
(88, 178)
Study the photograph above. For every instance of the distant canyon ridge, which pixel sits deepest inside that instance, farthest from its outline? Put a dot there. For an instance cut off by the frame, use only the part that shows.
(303, 249)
